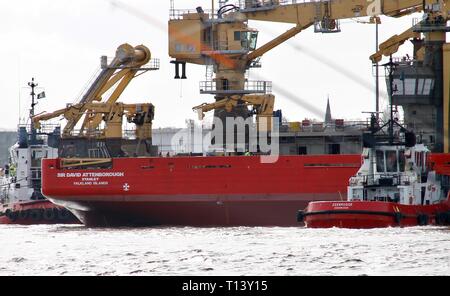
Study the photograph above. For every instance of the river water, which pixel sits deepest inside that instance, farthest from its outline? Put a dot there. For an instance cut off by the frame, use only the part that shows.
(75, 250)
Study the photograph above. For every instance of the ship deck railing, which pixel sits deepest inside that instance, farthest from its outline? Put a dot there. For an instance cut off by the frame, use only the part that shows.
(85, 163)
(45, 128)
(398, 179)
(243, 5)
(178, 14)
(153, 65)
(261, 5)
(234, 87)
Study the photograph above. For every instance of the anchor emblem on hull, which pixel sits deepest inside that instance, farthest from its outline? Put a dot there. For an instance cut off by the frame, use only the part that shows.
(126, 187)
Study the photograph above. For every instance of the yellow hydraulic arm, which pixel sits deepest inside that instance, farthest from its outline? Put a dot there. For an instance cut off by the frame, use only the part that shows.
(141, 115)
(392, 45)
(277, 41)
(325, 13)
(263, 104)
(311, 12)
(119, 73)
(111, 114)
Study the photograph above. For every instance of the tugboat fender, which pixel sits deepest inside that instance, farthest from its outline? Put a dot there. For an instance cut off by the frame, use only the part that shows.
(63, 214)
(300, 216)
(422, 220)
(49, 215)
(11, 215)
(443, 218)
(398, 217)
(36, 215)
(23, 215)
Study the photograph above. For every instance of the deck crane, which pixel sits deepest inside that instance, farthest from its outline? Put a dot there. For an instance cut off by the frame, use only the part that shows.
(99, 105)
(225, 43)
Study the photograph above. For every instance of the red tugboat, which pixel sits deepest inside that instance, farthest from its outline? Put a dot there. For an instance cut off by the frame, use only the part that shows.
(21, 200)
(394, 187)
(399, 184)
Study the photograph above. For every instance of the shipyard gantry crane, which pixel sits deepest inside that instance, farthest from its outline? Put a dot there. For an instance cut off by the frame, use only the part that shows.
(99, 105)
(422, 80)
(225, 43)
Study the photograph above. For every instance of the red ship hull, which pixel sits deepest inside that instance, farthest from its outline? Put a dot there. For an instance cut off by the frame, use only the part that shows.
(198, 191)
(36, 213)
(363, 214)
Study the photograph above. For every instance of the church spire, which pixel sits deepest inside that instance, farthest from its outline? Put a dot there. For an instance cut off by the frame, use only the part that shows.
(328, 118)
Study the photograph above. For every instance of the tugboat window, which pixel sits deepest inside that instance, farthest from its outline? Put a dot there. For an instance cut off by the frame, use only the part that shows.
(410, 87)
(428, 86)
(398, 87)
(401, 160)
(391, 161)
(380, 161)
(420, 86)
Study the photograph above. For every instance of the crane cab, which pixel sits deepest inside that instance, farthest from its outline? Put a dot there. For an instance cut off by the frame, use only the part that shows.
(195, 36)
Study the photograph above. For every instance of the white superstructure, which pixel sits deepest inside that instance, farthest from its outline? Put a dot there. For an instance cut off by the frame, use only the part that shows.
(397, 174)
(21, 177)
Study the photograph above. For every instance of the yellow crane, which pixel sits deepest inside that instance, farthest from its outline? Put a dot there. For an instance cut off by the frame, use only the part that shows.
(99, 105)
(226, 44)
(392, 45)
(113, 79)
(263, 107)
(422, 80)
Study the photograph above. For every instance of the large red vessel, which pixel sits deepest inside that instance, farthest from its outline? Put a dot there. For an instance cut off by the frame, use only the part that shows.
(197, 191)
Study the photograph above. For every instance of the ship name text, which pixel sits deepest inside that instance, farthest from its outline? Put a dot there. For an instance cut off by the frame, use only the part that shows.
(90, 175)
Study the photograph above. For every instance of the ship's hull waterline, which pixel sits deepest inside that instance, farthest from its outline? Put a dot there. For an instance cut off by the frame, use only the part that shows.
(198, 191)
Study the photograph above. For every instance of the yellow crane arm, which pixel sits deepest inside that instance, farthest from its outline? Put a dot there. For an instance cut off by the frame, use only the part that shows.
(47, 116)
(392, 45)
(124, 76)
(141, 115)
(310, 12)
(263, 105)
(275, 42)
(125, 63)
(227, 103)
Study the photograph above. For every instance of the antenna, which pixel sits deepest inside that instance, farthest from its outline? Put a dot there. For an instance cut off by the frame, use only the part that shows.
(34, 102)
(377, 74)
(33, 86)
(391, 67)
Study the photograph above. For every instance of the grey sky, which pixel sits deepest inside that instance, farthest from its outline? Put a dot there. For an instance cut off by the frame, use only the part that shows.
(60, 42)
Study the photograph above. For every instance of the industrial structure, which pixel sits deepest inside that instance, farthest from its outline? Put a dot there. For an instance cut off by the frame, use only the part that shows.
(209, 190)
(227, 46)
(100, 117)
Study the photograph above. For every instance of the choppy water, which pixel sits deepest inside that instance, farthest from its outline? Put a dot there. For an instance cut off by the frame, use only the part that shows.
(75, 250)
